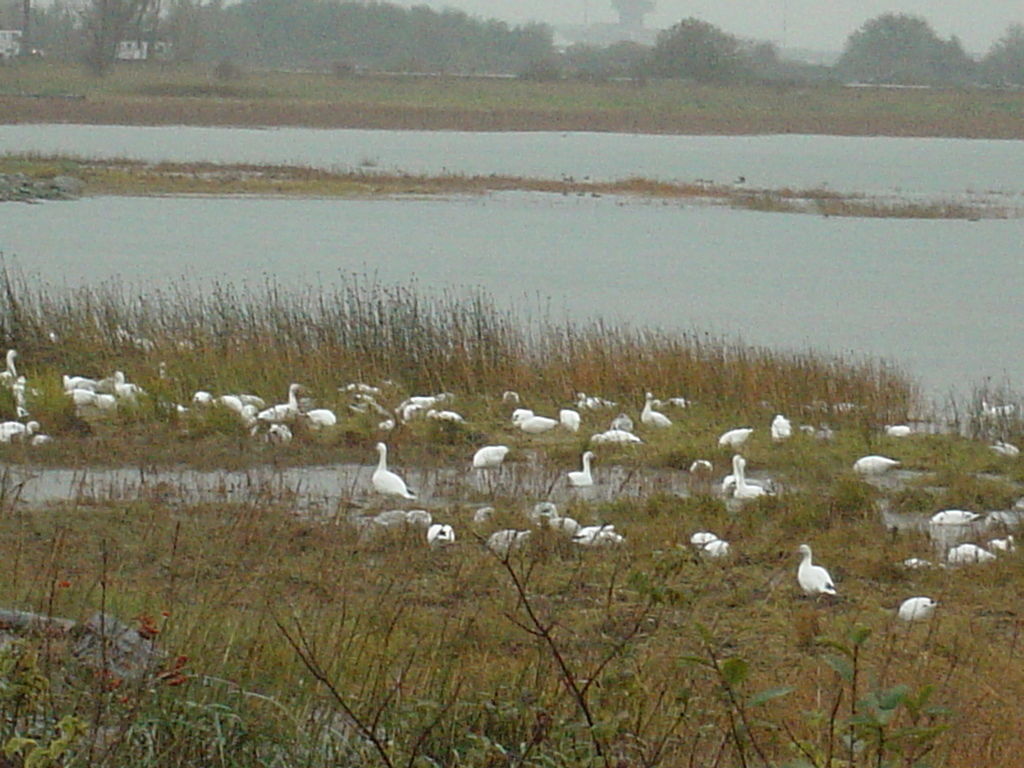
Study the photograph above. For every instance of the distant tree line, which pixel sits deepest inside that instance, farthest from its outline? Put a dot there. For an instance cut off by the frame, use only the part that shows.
(349, 36)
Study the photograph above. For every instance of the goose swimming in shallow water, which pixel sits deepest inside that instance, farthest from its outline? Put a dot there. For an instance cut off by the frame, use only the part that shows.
(743, 489)
(953, 517)
(387, 482)
(583, 478)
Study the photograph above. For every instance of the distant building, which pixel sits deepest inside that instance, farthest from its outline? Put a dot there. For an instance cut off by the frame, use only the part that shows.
(10, 43)
(142, 50)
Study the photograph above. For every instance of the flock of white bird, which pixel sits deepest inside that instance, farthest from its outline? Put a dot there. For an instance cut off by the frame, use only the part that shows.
(273, 422)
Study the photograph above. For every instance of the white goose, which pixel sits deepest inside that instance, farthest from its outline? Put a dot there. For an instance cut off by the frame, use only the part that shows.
(782, 428)
(319, 418)
(535, 425)
(569, 419)
(440, 535)
(597, 536)
(583, 478)
(743, 489)
(916, 608)
(651, 417)
(734, 438)
(10, 374)
(953, 517)
(387, 482)
(79, 382)
(874, 465)
(282, 412)
(813, 579)
(15, 430)
(490, 456)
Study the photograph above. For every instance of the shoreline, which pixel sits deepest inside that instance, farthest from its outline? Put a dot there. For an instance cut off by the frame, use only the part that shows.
(832, 112)
(127, 178)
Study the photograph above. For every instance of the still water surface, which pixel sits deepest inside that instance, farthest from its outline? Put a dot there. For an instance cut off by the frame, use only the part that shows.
(936, 168)
(940, 297)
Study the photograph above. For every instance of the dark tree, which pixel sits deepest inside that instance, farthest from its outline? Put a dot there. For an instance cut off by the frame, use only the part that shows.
(1004, 63)
(899, 48)
(106, 23)
(700, 51)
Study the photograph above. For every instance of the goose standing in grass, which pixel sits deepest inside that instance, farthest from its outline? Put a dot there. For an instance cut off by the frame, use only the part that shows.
(964, 554)
(535, 425)
(587, 402)
(583, 478)
(717, 548)
(318, 418)
(597, 536)
(569, 419)
(14, 430)
(782, 428)
(1002, 545)
(874, 465)
(700, 538)
(916, 609)
(734, 438)
(490, 456)
(18, 390)
(651, 417)
(813, 579)
(897, 430)
(614, 437)
(503, 542)
(449, 416)
(1009, 450)
(387, 482)
(283, 412)
(440, 535)
(79, 382)
(10, 374)
(278, 433)
(124, 389)
(622, 423)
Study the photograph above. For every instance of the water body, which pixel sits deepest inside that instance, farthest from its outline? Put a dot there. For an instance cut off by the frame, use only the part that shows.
(343, 490)
(906, 167)
(939, 297)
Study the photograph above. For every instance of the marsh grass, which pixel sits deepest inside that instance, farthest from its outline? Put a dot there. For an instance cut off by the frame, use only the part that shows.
(436, 655)
(453, 103)
(259, 338)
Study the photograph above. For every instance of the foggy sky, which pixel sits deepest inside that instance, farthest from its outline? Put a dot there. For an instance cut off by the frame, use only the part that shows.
(816, 24)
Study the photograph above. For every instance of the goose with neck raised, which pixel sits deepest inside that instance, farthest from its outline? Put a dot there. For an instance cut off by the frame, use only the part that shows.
(583, 478)
(9, 375)
(813, 579)
(743, 489)
(651, 417)
(282, 412)
(387, 482)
